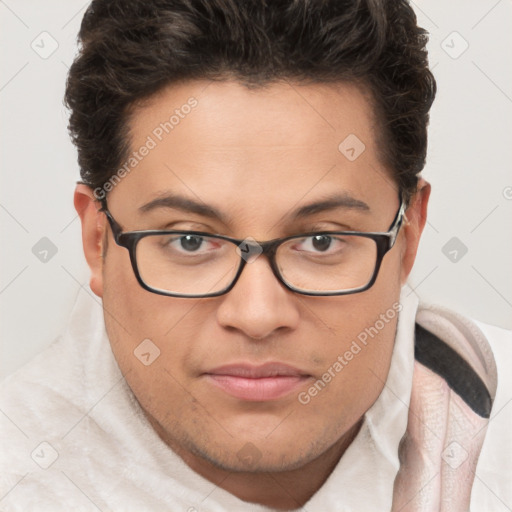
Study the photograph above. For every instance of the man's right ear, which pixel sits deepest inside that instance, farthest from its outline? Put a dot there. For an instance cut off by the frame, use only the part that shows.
(93, 229)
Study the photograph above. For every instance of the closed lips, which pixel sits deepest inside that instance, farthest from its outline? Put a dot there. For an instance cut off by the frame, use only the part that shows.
(270, 381)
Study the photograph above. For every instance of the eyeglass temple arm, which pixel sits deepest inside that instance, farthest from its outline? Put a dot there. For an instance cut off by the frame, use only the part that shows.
(397, 223)
(116, 228)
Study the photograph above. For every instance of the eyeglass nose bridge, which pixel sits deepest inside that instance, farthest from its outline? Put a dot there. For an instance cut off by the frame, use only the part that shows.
(250, 250)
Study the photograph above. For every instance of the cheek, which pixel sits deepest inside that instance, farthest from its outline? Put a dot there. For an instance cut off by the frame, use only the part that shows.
(146, 330)
(149, 337)
(131, 307)
(354, 369)
(355, 353)
(344, 318)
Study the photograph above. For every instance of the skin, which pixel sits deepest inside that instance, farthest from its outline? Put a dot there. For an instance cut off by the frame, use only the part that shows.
(256, 156)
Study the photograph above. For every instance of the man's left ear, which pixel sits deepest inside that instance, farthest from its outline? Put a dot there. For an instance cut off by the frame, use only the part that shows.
(414, 222)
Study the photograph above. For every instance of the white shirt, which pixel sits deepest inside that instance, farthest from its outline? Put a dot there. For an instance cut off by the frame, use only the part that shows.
(74, 437)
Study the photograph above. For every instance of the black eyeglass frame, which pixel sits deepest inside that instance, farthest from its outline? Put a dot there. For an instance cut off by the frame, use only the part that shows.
(384, 241)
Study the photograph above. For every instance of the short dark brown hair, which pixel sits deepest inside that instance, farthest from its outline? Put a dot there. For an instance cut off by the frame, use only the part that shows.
(131, 49)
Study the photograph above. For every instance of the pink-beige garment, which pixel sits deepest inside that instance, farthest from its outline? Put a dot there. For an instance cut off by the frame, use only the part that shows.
(440, 449)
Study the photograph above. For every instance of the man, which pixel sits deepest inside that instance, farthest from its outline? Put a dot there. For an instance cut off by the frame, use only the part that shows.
(251, 208)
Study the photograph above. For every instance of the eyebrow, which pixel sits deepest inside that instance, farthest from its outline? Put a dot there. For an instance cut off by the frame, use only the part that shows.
(345, 201)
(185, 204)
(177, 202)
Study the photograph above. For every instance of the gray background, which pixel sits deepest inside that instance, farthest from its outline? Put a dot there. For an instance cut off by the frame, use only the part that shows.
(465, 254)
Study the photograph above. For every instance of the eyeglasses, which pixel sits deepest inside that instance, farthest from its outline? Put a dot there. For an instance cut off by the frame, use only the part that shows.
(195, 264)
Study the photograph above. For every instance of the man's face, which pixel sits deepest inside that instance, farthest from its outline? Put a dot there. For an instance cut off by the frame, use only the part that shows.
(257, 157)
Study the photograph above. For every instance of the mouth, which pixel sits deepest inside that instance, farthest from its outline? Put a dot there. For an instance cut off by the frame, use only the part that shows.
(270, 381)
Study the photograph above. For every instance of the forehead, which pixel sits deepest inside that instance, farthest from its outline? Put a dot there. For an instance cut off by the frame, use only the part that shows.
(242, 149)
(279, 116)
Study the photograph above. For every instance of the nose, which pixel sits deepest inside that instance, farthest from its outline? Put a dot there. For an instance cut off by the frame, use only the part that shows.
(258, 305)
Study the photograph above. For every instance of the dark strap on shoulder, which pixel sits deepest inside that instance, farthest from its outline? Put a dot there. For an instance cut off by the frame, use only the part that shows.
(432, 352)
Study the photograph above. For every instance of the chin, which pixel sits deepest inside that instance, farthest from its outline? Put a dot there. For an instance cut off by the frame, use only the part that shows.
(249, 458)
